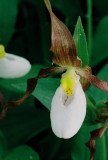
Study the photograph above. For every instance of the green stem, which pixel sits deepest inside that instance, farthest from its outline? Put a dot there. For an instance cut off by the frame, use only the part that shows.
(89, 25)
(101, 146)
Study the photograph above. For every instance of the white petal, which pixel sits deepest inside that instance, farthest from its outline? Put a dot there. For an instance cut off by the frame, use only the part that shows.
(12, 66)
(68, 116)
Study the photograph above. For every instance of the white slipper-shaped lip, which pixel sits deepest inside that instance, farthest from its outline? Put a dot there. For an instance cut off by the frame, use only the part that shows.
(66, 119)
(12, 66)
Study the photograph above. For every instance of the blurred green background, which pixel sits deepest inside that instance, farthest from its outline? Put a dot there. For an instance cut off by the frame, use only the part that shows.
(25, 30)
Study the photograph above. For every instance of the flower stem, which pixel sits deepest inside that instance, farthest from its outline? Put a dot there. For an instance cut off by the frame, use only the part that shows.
(89, 25)
(101, 146)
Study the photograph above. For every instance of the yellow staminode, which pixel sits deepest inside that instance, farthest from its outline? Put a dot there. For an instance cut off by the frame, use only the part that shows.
(2, 51)
(68, 82)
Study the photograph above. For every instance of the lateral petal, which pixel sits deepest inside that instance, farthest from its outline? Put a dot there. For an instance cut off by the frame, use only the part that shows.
(86, 77)
(101, 84)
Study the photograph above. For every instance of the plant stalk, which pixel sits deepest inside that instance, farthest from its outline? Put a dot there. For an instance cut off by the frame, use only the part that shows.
(89, 25)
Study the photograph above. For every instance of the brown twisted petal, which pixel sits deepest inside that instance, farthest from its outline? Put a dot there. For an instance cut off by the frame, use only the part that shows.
(31, 84)
(63, 45)
(101, 84)
(91, 144)
(98, 82)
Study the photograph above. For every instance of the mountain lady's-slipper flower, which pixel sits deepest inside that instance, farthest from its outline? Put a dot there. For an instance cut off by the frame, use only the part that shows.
(12, 66)
(68, 107)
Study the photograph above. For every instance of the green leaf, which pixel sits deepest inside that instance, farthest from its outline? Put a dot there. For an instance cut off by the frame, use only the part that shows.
(44, 91)
(25, 121)
(100, 42)
(8, 14)
(22, 153)
(3, 145)
(22, 123)
(91, 113)
(81, 43)
(80, 151)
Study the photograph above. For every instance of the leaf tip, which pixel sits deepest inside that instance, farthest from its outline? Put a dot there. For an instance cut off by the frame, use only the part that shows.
(79, 18)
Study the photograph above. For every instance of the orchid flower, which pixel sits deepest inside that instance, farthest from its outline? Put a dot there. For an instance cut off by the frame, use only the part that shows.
(12, 66)
(68, 107)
